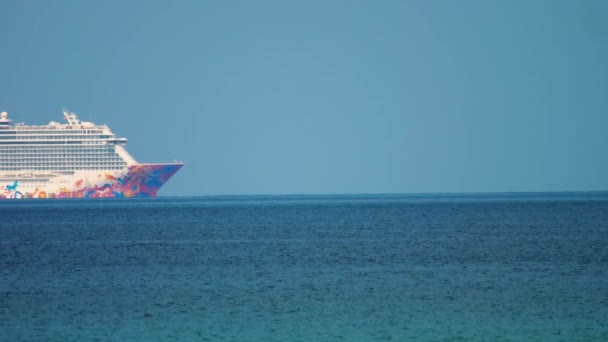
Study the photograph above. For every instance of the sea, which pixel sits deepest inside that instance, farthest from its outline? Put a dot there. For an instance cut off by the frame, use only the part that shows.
(440, 267)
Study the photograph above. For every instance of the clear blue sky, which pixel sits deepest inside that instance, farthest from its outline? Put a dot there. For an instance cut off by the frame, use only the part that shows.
(275, 97)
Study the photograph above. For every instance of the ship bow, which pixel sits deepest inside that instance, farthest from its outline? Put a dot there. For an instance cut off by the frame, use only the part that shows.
(144, 180)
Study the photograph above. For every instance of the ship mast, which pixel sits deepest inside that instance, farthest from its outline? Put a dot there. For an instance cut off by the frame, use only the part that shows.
(71, 118)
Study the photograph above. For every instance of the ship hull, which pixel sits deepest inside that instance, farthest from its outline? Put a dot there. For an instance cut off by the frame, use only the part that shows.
(140, 180)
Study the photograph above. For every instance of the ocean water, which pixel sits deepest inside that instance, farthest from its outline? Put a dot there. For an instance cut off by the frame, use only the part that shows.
(306, 268)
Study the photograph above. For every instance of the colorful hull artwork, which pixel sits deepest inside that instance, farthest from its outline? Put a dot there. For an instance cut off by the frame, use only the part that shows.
(140, 180)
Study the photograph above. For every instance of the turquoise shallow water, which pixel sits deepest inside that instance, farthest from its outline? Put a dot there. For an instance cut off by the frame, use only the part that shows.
(442, 267)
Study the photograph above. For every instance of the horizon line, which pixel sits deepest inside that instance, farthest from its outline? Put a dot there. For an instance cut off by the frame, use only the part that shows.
(401, 193)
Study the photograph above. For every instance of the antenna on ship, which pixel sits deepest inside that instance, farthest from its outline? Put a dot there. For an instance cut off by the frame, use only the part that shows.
(71, 118)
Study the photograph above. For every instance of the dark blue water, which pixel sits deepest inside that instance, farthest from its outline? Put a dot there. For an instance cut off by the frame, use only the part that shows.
(493, 267)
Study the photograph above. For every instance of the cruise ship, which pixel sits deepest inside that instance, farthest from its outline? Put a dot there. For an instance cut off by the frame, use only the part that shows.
(75, 159)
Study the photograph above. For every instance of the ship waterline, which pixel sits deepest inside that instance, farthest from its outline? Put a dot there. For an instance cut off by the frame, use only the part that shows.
(73, 160)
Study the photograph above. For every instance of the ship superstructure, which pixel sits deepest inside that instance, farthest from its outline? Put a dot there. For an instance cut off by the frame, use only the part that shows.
(76, 159)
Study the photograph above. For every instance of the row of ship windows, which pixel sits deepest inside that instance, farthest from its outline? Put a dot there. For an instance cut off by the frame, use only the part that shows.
(66, 157)
(62, 168)
(48, 129)
(79, 151)
(62, 156)
(59, 161)
(51, 147)
(59, 153)
(42, 143)
(62, 162)
(53, 131)
(55, 136)
(24, 181)
(5, 165)
(30, 186)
